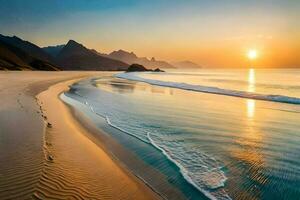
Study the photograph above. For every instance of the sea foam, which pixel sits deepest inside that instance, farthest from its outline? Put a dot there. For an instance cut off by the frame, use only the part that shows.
(134, 76)
(209, 180)
(212, 183)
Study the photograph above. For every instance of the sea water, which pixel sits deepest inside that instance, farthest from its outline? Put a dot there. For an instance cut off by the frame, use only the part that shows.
(231, 134)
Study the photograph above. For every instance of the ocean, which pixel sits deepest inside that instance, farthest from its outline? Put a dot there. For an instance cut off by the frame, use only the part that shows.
(211, 134)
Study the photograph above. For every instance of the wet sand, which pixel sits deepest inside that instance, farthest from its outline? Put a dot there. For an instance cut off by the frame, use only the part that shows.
(55, 160)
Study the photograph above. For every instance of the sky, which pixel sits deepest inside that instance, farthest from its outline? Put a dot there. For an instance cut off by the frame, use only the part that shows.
(210, 33)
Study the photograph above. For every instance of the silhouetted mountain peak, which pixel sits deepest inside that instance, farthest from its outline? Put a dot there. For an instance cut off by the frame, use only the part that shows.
(122, 53)
(27, 47)
(74, 48)
(74, 44)
(132, 58)
(16, 38)
(17, 54)
(76, 56)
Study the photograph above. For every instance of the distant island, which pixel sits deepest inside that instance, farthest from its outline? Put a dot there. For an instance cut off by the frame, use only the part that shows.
(141, 68)
(186, 65)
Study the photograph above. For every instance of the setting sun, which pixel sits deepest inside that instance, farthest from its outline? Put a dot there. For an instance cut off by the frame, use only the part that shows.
(252, 54)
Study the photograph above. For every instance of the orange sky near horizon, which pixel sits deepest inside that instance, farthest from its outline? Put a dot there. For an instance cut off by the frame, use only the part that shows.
(212, 34)
(273, 51)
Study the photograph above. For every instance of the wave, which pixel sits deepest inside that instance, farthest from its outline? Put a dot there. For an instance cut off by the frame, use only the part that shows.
(122, 130)
(211, 182)
(213, 90)
(182, 170)
(108, 121)
(276, 86)
(185, 173)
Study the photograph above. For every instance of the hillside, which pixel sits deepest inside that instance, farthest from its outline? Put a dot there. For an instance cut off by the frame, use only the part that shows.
(14, 58)
(75, 56)
(131, 58)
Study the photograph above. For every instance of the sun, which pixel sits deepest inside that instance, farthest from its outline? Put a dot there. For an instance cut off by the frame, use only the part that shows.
(252, 54)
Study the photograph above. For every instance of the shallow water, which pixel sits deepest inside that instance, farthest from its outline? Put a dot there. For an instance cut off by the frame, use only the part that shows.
(222, 146)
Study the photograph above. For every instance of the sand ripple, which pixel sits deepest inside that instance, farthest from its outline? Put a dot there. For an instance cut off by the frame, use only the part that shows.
(62, 165)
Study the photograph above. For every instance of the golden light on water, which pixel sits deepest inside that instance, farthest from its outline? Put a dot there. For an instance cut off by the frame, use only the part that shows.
(250, 108)
(251, 88)
(251, 80)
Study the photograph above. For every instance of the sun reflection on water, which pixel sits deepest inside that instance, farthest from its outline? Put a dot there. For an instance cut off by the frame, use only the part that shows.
(251, 80)
(250, 108)
(251, 88)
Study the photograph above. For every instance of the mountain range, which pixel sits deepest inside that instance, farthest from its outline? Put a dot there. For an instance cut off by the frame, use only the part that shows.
(74, 56)
(18, 54)
(131, 58)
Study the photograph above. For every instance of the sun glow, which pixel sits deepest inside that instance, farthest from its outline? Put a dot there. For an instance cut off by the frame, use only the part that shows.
(252, 54)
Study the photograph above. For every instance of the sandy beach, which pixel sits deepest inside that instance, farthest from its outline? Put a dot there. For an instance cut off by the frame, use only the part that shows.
(138, 100)
(47, 154)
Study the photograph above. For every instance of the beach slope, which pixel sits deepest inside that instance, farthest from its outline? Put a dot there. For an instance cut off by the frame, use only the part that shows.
(45, 153)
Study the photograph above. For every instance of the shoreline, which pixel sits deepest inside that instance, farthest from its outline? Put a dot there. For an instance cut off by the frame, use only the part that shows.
(128, 160)
(118, 144)
(22, 127)
(135, 188)
(76, 168)
(93, 134)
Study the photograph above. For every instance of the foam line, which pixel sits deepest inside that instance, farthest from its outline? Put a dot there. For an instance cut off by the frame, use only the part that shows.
(213, 90)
